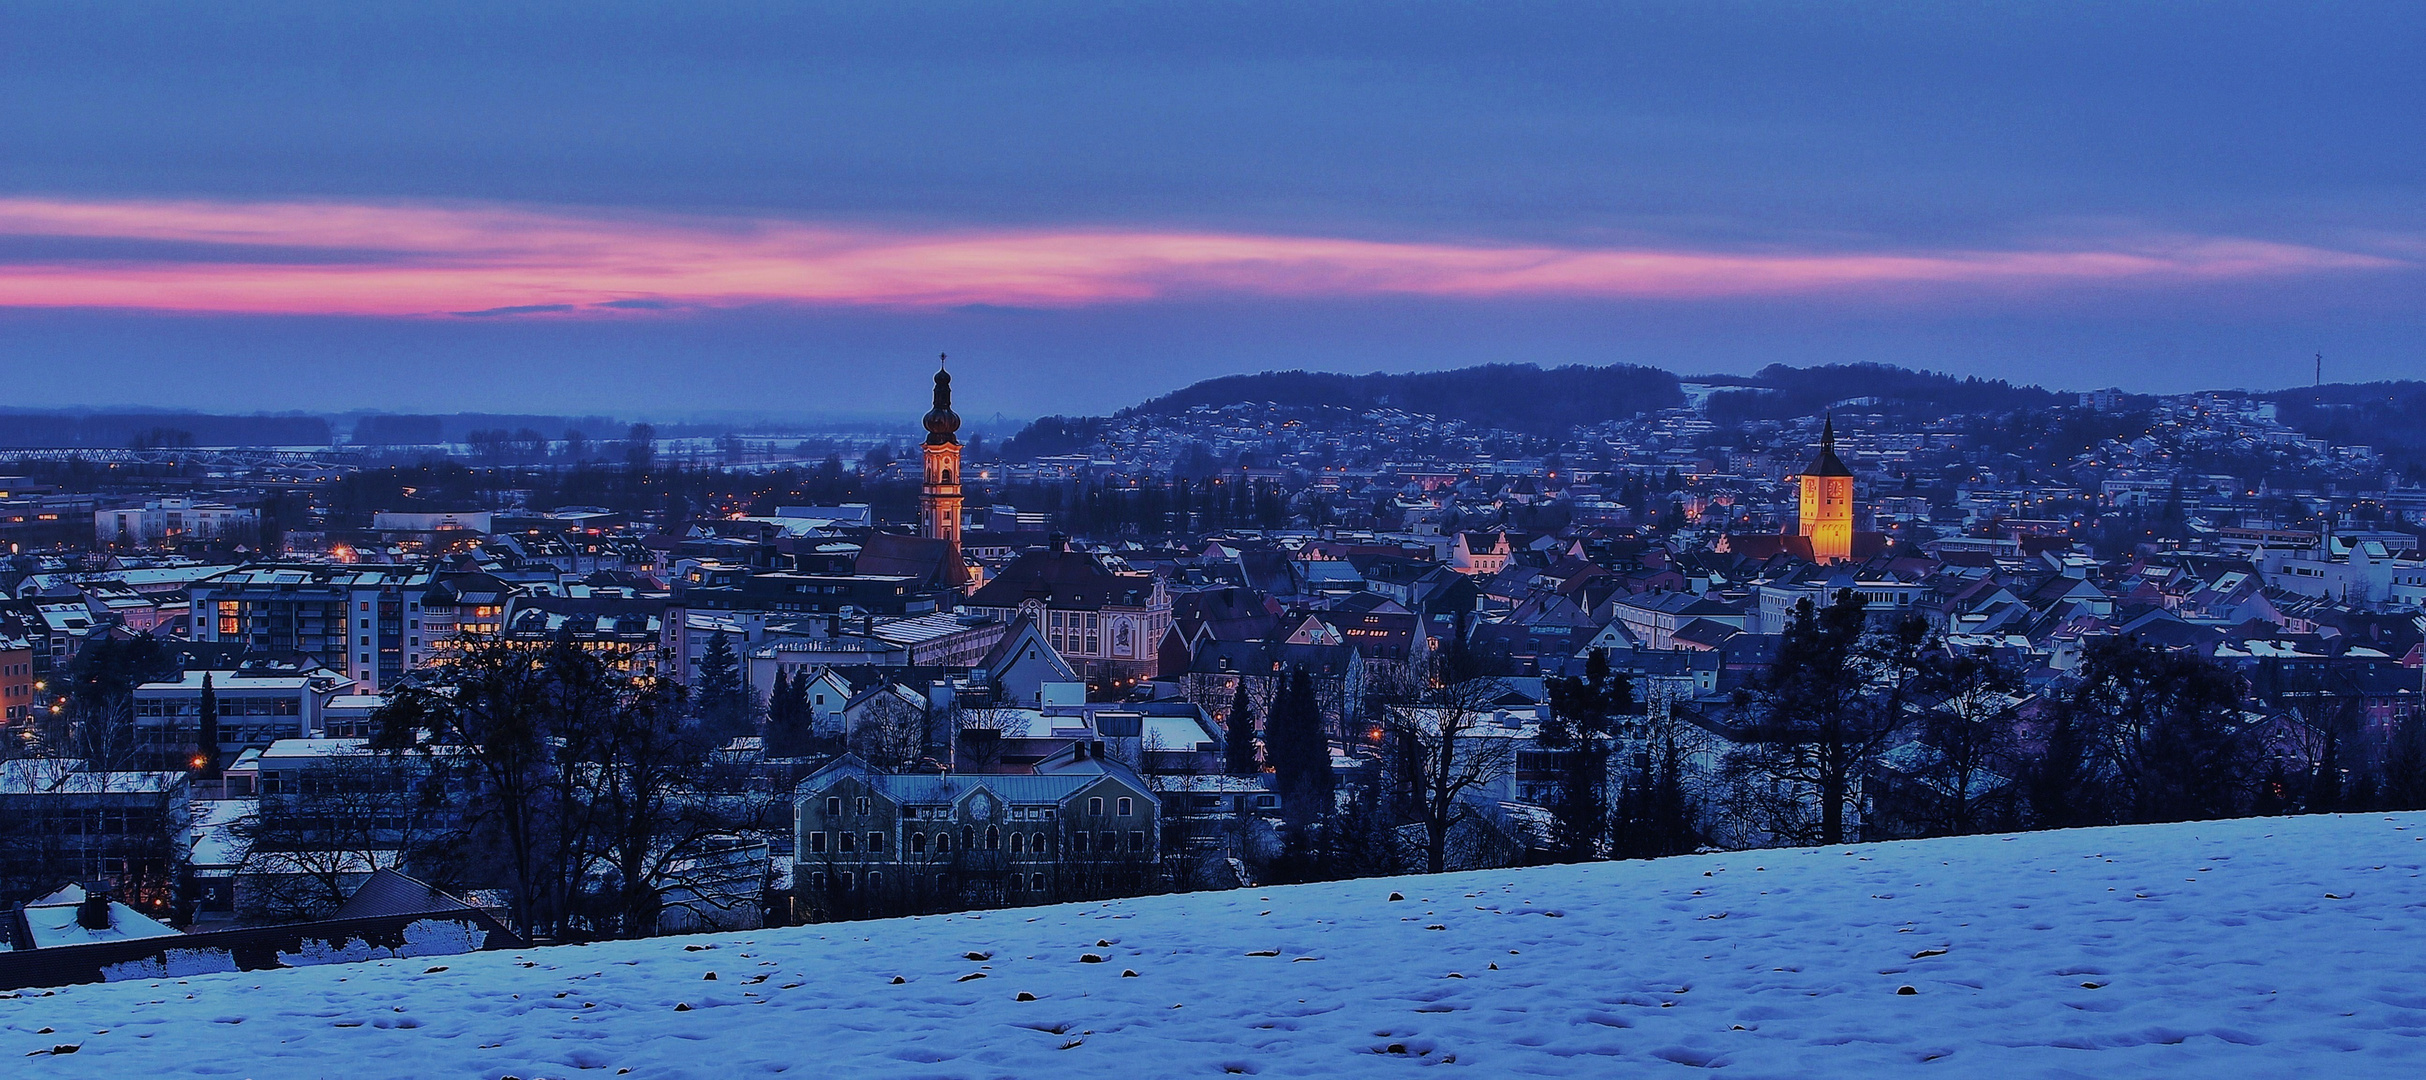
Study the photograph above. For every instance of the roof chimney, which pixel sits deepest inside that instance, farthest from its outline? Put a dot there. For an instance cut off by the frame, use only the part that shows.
(93, 912)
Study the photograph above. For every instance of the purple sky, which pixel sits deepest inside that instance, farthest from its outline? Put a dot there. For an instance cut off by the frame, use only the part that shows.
(792, 208)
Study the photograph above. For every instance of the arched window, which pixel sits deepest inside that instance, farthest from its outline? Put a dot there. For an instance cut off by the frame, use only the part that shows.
(918, 843)
(1019, 844)
(1037, 845)
(1124, 807)
(947, 476)
(875, 879)
(968, 838)
(875, 841)
(1095, 807)
(993, 838)
(943, 843)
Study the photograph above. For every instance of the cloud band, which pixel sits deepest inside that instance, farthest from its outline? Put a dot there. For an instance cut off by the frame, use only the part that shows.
(447, 261)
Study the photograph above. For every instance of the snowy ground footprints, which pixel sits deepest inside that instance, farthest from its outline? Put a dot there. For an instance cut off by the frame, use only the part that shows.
(2261, 948)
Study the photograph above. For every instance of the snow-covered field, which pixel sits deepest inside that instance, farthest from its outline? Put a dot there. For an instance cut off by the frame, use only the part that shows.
(2261, 948)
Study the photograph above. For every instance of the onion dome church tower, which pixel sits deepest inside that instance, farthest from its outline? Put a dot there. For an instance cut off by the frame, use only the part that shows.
(940, 506)
(1826, 511)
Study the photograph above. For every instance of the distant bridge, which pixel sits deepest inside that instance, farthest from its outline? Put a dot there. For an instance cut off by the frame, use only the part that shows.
(209, 457)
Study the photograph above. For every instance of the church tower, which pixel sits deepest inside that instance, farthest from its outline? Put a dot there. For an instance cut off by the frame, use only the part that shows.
(1827, 502)
(941, 504)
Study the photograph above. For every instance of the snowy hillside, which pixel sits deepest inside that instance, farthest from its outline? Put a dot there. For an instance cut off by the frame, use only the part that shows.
(2270, 947)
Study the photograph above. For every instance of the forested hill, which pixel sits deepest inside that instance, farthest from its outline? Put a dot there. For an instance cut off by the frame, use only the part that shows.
(2390, 416)
(1516, 397)
(1779, 392)
(1549, 402)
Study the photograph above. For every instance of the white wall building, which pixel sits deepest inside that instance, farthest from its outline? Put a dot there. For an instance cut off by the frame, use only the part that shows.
(169, 519)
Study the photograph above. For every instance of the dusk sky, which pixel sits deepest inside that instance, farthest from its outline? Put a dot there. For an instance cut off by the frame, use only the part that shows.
(792, 208)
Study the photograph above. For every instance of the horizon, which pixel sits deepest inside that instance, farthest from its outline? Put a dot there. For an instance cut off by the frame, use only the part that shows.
(908, 415)
(571, 210)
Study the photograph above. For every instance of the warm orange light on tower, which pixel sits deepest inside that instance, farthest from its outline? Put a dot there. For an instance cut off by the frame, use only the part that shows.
(1826, 510)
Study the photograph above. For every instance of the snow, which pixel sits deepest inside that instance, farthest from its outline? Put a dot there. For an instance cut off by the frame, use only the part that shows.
(51, 921)
(2260, 947)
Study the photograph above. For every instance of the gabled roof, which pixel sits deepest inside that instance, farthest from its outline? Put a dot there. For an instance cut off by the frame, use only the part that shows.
(390, 893)
(952, 787)
(1064, 578)
(931, 562)
(1022, 634)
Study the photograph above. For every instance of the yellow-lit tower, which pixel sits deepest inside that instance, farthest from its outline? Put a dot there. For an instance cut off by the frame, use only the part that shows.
(942, 496)
(1827, 502)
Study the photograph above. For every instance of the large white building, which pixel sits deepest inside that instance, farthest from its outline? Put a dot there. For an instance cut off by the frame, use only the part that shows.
(2377, 568)
(254, 710)
(169, 519)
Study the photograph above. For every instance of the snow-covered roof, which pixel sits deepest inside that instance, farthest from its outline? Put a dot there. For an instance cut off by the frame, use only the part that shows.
(51, 922)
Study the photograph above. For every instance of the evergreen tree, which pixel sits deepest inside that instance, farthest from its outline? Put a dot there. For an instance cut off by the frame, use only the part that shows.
(788, 720)
(1238, 751)
(2405, 765)
(1583, 712)
(1669, 822)
(2059, 782)
(1820, 727)
(723, 702)
(206, 752)
(1300, 755)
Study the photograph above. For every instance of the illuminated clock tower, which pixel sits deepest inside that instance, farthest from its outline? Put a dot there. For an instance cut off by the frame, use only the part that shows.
(941, 505)
(1827, 502)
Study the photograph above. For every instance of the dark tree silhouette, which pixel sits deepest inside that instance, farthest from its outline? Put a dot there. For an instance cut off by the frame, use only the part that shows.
(1239, 756)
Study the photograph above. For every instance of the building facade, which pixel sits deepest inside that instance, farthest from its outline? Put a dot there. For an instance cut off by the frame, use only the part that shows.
(1105, 622)
(875, 843)
(168, 520)
(363, 621)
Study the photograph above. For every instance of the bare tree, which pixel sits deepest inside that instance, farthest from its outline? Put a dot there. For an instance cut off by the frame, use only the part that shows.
(650, 821)
(1447, 749)
(1968, 732)
(891, 733)
(312, 842)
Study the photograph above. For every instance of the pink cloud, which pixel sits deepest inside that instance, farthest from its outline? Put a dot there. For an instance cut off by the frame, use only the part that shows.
(423, 260)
